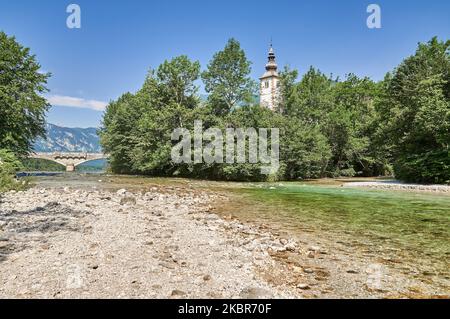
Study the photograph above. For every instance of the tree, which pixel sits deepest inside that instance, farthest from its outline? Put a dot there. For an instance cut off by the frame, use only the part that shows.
(22, 108)
(328, 127)
(177, 77)
(417, 114)
(227, 78)
(287, 79)
(116, 134)
(311, 99)
(348, 126)
(137, 128)
(305, 151)
(167, 99)
(342, 111)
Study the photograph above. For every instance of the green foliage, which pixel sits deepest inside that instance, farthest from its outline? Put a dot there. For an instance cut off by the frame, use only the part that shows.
(119, 124)
(287, 80)
(41, 165)
(416, 115)
(310, 99)
(248, 116)
(227, 78)
(348, 127)
(137, 128)
(176, 79)
(328, 127)
(304, 150)
(22, 108)
(9, 165)
(342, 112)
(429, 167)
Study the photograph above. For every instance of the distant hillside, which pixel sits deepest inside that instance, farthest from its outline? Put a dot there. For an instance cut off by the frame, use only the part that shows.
(65, 139)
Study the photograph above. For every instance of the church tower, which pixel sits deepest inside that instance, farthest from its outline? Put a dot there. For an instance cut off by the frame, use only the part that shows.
(270, 83)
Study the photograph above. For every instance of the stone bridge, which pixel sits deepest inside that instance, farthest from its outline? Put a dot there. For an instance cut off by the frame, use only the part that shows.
(69, 160)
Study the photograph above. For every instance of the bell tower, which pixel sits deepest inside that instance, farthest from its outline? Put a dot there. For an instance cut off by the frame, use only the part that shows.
(270, 83)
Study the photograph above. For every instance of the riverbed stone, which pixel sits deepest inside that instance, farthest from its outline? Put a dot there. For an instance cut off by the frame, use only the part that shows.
(303, 286)
(121, 192)
(177, 293)
(255, 293)
(128, 200)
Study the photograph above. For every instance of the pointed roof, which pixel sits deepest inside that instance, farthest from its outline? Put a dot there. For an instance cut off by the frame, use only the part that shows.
(271, 66)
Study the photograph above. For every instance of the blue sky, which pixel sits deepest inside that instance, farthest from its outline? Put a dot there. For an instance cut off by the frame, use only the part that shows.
(120, 40)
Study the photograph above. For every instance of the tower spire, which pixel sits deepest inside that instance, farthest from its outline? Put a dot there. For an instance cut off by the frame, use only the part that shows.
(270, 82)
(271, 65)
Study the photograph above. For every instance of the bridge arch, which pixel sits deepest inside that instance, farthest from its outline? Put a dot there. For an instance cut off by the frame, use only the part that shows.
(90, 160)
(69, 160)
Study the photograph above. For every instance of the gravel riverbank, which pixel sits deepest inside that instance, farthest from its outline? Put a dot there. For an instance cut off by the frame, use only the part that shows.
(394, 185)
(68, 243)
(167, 242)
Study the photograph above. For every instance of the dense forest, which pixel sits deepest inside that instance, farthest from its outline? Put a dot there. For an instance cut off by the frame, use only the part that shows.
(329, 126)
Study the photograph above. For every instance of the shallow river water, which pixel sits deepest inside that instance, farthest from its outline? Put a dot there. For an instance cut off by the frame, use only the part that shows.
(409, 231)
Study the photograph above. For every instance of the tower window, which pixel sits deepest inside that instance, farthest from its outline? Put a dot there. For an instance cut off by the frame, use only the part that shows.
(266, 84)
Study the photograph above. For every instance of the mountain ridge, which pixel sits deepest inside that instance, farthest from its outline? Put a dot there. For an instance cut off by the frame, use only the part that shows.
(68, 139)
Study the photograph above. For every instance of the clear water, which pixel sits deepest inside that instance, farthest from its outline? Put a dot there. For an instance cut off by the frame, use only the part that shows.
(411, 229)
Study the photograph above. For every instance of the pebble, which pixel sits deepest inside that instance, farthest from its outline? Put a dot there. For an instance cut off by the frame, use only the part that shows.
(254, 293)
(121, 191)
(129, 200)
(167, 265)
(291, 247)
(177, 292)
(303, 286)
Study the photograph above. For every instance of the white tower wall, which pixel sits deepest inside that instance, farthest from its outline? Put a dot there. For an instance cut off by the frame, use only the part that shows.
(270, 84)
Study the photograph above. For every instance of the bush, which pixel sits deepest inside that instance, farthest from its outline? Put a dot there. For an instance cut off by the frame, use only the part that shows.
(9, 165)
(431, 168)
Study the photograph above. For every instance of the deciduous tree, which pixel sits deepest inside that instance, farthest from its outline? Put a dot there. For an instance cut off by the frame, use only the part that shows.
(22, 107)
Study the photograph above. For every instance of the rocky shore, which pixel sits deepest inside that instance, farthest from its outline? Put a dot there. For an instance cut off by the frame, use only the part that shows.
(167, 242)
(70, 243)
(397, 186)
